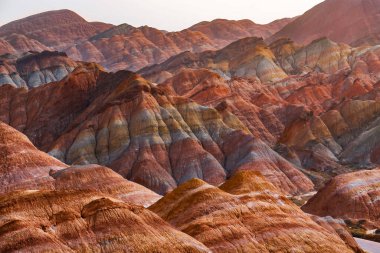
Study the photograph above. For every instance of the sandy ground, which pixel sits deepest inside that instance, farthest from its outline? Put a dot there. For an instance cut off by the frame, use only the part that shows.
(369, 246)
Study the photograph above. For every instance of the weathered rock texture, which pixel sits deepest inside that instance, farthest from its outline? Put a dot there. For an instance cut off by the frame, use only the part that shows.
(21, 164)
(349, 21)
(82, 220)
(353, 196)
(246, 214)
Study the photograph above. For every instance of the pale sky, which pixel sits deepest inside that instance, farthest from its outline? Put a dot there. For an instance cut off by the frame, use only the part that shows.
(171, 15)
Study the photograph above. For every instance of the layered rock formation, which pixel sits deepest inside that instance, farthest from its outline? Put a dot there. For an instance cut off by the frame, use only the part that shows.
(253, 58)
(123, 121)
(316, 121)
(34, 69)
(321, 122)
(351, 21)
(353, 196)
(249, 57)
(246, 214)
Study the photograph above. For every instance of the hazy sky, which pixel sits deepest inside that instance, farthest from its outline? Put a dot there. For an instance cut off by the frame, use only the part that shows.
(163, 14)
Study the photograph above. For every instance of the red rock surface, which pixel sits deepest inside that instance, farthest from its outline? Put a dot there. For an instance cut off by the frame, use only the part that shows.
(92, 208)
(103, 180)
(56, 29)
(349, 21)
(123, 46)
(339, 227)
(246, 214)
(353, 196)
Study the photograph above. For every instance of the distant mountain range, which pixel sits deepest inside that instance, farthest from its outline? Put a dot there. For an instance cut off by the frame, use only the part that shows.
(126, 47)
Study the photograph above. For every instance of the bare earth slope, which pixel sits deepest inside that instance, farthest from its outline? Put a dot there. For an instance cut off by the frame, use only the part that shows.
(350, 21)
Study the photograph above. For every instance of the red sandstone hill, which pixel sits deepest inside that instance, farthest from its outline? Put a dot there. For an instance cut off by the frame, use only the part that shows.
(320, 121)
(222, 32)
(350, 21)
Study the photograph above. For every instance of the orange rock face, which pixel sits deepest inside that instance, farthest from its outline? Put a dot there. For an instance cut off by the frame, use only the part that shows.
(246, 214)
(122, 121)
(77, 221)
(29, 170)
(353, 196)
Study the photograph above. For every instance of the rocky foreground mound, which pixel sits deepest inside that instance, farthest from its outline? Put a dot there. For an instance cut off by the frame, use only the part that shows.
(246, 214)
